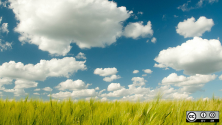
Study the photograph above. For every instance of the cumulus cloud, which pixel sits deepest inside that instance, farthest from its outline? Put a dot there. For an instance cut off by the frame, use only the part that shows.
(190, 28)
(135, 30)
(149, 71)
(5, 46)
(4, 28)
(75, 94)
(105, 71)
(72, 85)
(37, 89)
(17, 91)
(97, 88)
(5, 81)
(114, 86)
(46, 68)
(47, 89)
(153, 40)
(220, 77)
(141, 13)
(160, 66)
(36, 93)
(137, 81)
(194, 56)
(206, 99)
(81, 56)
(21, 84)
(0, 17)
(189, 84)
(54, 25)
(136, 71)
(111, 78)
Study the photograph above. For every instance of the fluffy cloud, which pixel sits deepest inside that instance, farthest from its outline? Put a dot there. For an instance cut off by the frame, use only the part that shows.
(37, 89)
(21, 84)
(4, 28)
(136, 71)
(75, 94)
(220, 77)
(114, 86)
(111, 78)
(189, 84)
(153, 40)
(160, 66)
(5, 46)
(0, 17)
(137, 29)
(36, 93)
(137, 81)
(17, 92)
(47, 89)
(194, 56)
(52, 68)
(105, 71)
(53, 25)
(72, 85)
(190, 28)
(5, 81)
(81, 56)
(147, 71)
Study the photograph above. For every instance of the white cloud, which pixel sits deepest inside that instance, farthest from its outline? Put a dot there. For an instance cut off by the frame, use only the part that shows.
(37, 89)
(104, 99)
(149, 71)
(0, 17)
(21, 84)
(72, 85)
(160, 66)
(153, 40)
(190, 28)
(114, 86)
(141, 13)
(4, 28)
(5, 46)
(194, 56)
(144, 75)
(53, 25)
(17, 92)
(136, 71)
(76, 94)
(200, 3)
(52, 68)
(206, 99)
(97, 88)
(184, 7)
(189, 84)
(105, 71)
(111, 78)
(220, 77)
(81, 56)
(36, 93)
(137, 81)
(137, 29)
(47, 89)
(147, 41)
(5, 81)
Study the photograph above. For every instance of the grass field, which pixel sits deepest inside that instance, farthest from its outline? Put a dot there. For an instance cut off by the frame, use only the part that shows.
(94, 112)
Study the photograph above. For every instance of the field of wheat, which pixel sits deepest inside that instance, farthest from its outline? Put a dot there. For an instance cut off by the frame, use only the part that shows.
(94, 112)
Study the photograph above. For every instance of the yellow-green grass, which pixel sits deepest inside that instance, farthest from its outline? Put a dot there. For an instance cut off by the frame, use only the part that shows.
(94, 112)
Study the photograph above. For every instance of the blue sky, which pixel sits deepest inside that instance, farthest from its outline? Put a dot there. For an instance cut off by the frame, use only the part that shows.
(110, 50)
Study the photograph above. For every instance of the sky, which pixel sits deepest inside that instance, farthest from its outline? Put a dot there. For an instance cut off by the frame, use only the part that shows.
(110, 50)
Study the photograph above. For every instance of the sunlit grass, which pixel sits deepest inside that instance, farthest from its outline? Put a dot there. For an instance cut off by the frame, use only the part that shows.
(94, 112)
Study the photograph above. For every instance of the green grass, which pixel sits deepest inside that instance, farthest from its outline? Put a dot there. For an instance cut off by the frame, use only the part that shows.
(94, 112)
